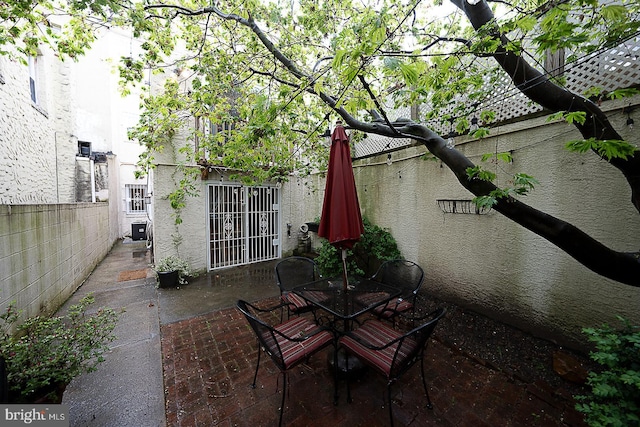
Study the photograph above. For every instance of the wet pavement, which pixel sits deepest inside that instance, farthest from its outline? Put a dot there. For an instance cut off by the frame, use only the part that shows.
(186, 357)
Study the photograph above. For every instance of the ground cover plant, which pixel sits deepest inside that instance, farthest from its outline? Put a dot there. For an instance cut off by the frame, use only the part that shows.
(615, 387)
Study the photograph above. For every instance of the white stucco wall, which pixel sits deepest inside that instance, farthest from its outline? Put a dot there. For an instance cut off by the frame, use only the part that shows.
(188, 239)
(37, 142)
(493, 265)
(299, 203)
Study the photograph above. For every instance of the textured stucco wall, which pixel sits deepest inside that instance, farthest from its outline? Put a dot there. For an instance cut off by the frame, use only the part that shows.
(300, 201)
(493, 265)
(37, 145)
(47, 251)
(188, 239)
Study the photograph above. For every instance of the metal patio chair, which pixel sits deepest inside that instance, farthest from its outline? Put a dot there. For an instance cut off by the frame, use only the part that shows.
(291, 272)
(389, 351)
(288, 344)
(402, 274)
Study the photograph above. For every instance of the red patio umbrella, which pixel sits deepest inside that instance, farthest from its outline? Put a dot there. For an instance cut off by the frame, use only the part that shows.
(341, 221)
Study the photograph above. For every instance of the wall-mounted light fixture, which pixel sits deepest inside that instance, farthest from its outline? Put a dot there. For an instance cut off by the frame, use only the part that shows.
(474, 120)
(627, 111)
(474, 124)
(451, 134)
(389, 162)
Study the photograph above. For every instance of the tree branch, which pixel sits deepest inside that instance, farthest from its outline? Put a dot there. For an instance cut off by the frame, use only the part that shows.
(549, 95)
(619, 266)
(367, 87)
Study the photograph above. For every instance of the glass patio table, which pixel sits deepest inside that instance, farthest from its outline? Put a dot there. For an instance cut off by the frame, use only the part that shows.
(360, 296)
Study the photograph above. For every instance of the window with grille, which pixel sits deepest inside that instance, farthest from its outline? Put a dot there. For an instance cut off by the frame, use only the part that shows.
(136, 194)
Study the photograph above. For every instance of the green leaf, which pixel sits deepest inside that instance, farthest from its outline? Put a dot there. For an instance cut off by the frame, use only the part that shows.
(477, 172)
(526, 23)
(485, 201)
(525, 181)
(608, 149)
(615, 149)
(487, 116)
(576, 116)
(505, 157)
(622, 93)
(480, 133)
(580, 145)
(556, 116)
(409, 73)
(614, 12)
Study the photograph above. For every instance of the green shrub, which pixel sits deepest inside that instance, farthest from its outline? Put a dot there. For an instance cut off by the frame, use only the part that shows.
(615, 390)
(375, 246)
(45, 352)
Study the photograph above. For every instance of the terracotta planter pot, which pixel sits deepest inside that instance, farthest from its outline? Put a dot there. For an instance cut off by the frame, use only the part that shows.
(167, 279)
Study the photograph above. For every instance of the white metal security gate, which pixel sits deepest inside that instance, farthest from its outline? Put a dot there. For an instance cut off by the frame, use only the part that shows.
(244, 224)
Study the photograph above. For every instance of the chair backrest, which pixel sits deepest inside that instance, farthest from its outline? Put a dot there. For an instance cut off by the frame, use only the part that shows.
(264, 332)
(294, 271)
(401, 274)
(412, 344)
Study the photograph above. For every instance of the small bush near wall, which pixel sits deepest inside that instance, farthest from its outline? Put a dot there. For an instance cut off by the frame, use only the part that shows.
(375, 246)
(615, 391)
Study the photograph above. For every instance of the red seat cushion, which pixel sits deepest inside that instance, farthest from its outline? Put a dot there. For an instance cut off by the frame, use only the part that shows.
(296, 302)
(393, 307)
(378, 334)
(299, 327)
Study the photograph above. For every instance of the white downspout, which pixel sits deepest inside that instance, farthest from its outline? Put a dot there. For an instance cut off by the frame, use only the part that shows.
(93, 180)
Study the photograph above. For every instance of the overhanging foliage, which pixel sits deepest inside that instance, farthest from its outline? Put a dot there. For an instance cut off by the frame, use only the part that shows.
(277, 74)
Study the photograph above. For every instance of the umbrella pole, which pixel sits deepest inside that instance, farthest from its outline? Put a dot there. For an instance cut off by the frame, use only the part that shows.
(345, 287)
(344, 270)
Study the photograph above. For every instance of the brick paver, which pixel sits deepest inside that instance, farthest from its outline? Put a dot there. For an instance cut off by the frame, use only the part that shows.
(209, 363)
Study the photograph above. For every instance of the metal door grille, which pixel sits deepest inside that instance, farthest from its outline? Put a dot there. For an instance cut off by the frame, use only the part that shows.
(243, 225)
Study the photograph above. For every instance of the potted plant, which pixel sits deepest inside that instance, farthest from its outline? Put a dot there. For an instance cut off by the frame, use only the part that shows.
(43, 354)
(172, 271)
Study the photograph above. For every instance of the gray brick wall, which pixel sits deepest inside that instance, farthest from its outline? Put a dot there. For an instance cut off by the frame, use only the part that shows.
(46, 252)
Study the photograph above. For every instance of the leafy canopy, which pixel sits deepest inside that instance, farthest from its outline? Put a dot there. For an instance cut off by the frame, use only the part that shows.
(273, 90)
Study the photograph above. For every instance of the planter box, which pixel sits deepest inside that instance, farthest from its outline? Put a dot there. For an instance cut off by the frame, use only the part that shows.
(167, 279)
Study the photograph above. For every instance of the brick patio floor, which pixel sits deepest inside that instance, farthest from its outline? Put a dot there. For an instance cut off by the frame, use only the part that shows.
(209, 361)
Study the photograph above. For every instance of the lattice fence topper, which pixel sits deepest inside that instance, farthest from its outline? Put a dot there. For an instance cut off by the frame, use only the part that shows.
(615, 68)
